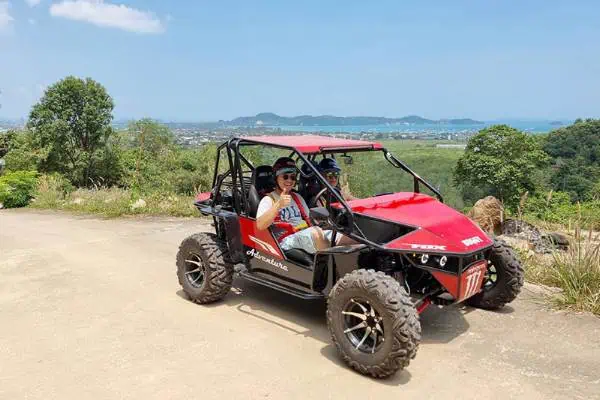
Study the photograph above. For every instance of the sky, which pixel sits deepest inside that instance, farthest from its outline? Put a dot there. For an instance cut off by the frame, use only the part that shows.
(210, 60)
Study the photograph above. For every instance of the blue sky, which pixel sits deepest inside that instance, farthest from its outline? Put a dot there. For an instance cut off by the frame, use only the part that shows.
(208, 60)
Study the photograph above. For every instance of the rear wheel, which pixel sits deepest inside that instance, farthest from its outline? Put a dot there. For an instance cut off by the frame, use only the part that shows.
(202, 269)
(503, 281)
(373, 323)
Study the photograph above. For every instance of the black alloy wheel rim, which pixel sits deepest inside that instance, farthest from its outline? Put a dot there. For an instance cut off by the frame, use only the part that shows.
(491, 276)
(363, 326)
(194, 270)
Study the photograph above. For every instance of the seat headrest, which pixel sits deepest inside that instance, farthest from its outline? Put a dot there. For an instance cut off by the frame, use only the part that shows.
(263, 179)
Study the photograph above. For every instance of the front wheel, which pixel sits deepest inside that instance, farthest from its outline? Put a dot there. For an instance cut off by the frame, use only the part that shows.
(503, 281)
(373, 323)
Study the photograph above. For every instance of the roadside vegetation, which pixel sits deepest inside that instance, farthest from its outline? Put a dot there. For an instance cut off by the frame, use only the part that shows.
(69, 157)
(575, 272)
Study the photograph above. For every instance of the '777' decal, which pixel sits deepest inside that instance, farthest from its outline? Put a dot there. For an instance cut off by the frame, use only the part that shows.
(472, 279)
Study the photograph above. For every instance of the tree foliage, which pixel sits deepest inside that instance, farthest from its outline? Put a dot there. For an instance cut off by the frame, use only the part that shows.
(6, 141)
(500, 161)
(17, 188)
(70, 125)
(152, 161)
(575, 150)
(19, 154)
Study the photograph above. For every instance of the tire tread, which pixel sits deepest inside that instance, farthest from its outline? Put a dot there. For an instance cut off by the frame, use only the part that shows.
(406, 327)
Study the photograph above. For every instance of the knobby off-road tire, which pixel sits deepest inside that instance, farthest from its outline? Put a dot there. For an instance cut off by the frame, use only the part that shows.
(509, 281)
(400, 322)
(207, 254)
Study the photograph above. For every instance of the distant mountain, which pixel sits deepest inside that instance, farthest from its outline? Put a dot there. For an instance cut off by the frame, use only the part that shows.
(271, 119)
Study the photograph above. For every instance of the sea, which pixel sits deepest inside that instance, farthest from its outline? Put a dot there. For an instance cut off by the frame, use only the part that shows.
(532, 127)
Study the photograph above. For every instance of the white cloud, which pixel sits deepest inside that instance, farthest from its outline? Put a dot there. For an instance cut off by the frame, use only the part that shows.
(109, 15)
(5, 18)
(31, 21)
(33, 3)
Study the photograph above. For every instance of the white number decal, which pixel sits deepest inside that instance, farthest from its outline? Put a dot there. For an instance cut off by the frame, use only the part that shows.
(472, 281)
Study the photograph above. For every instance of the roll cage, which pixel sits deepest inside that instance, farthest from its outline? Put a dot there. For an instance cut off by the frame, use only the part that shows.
(237, 180)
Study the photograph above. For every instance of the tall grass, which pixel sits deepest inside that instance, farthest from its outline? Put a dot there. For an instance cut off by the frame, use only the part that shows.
(53, 192)
(575, 271)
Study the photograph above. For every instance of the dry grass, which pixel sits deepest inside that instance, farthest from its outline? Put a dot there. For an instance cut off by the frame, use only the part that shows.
(110, 202)
(575, 271)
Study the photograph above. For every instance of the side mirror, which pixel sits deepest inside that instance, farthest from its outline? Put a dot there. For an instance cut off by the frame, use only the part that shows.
(319, 213)
(348, 160)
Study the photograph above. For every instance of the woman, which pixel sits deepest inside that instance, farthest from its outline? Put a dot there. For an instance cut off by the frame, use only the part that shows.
(287, 212)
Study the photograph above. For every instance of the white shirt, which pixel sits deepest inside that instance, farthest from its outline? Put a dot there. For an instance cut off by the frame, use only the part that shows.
(290, 214)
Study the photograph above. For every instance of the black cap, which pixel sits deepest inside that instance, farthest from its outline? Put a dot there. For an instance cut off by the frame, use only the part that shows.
(284, 165)
(328, 164)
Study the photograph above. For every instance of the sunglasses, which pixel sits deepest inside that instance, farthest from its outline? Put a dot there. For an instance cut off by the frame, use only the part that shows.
(332, 175)
(289, 176)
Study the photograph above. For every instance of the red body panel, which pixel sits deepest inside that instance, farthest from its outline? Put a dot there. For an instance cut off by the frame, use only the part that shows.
(309, 144)
(203, 196)
(449, 281)
(260, 240)
(440, 228)
(466, 285)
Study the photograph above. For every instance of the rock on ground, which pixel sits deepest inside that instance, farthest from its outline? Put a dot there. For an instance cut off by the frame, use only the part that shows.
(488, 213)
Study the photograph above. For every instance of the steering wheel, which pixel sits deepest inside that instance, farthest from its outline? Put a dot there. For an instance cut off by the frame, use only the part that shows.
(317, 197)
(320, 196)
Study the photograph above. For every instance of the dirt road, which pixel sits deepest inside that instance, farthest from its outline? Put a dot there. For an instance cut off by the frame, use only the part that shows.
(91, 308)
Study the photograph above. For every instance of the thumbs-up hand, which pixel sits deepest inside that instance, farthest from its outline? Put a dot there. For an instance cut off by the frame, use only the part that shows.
(285, 198)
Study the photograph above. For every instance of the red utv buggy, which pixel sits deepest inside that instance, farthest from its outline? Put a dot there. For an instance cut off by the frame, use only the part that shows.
(412, 250)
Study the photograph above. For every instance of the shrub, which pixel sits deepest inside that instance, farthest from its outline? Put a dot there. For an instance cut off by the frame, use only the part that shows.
(21, 160)
(17, 188)
(51, 191)
(556, 207)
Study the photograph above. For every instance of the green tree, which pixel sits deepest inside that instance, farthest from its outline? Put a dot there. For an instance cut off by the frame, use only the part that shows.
(155, 163)
(19, 152)
(70, 125)
(500, 161)
(575, 152)
(152, 146)
(6, 141)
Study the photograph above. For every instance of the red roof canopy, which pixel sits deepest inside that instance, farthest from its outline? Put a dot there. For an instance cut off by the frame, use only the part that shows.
(308, 144)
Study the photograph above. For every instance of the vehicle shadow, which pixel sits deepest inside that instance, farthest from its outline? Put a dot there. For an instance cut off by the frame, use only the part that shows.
(301, 317)
(307, 318)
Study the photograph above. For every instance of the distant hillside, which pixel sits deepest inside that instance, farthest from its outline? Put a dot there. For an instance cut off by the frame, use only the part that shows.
(270, 119)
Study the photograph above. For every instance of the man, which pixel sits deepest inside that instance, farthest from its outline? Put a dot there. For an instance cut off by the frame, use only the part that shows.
(287, 213)
(329, 168)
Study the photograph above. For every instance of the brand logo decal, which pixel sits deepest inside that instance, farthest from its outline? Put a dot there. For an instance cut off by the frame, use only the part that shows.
(268, 260)
(472, 241)
(266, 246)
(427, 247)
